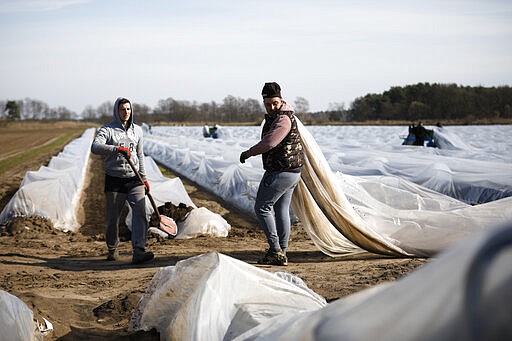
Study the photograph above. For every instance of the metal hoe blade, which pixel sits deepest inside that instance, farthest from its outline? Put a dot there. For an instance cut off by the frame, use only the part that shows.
(168, 225)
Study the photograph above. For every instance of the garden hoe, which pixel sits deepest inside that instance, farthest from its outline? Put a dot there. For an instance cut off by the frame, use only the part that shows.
(166, 224)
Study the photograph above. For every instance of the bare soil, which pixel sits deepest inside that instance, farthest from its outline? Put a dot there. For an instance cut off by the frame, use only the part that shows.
(64, 276)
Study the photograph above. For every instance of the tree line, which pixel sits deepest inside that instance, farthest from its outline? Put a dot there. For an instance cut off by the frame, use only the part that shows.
(231, 110)
(422, 101)
(33, 109)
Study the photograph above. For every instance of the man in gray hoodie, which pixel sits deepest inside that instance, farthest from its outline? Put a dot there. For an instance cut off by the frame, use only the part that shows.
(116, 141)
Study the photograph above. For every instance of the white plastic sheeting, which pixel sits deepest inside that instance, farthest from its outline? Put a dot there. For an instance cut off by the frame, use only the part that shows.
(202, 222)
(474, 163)
(471, 165)
(211, 163)
(53, 191)
(345, 214)
(199, 222)
(164, 189)
(385, 215)
(216, 297)
(464, 294)
(17, 320)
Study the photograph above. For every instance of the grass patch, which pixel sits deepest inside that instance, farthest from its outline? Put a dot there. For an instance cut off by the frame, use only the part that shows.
(21, 158)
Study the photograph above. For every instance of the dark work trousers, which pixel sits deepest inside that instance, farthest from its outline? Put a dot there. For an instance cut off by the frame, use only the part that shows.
(115, 201)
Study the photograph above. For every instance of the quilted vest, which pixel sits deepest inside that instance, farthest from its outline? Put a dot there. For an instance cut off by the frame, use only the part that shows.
(288, 154)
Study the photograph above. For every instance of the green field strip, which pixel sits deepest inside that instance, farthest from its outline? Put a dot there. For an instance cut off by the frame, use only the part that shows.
(19, 159)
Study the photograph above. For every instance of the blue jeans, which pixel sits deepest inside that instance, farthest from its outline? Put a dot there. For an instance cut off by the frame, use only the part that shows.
(272, 207)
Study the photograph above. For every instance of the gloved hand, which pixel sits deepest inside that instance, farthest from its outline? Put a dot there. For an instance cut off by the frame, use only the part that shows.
(125, 151)
(243, 157)
(147, 186)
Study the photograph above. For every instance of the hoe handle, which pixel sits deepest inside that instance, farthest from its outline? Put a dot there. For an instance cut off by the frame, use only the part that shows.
(142, 181)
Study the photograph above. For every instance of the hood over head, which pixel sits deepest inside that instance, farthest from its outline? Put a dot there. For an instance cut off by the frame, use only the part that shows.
(116, 111)
(286, 107)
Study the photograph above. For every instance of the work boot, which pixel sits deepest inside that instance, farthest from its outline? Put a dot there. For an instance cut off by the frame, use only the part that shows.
(113, 254)
(141, 256)
(274, 258)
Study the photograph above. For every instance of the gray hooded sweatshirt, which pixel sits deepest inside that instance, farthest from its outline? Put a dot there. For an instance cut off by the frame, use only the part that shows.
(110, 137)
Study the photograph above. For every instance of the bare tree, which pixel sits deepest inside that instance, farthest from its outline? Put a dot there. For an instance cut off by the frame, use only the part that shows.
(142, 112)
(301, 108)
(105, 109)
(64, 113)
(89, 113)
(172, 108)
(336, 106)
(337, 111)
(254, 110)
(231, 108)
(3, 110)
(34, 109)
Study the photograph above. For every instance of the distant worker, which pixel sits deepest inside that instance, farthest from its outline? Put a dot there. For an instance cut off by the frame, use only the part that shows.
(409, 140)
(412, 128)
(282, 154)
(206, 130)
(420, 135)
(213, 132)
(116, 141)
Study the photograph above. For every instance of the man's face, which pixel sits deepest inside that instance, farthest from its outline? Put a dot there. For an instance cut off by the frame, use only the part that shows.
(125, 111)
(272, 105)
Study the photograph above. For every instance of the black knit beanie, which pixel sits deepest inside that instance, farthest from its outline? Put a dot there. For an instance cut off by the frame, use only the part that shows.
(271, 90)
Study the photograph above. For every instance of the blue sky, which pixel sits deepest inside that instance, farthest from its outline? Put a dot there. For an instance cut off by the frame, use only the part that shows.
(85, 52)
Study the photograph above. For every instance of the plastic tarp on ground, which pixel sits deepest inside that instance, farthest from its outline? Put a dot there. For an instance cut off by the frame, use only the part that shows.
(473, 165)
(17, 320)
(53, 191)
(384, 215)
(164, 189)
(199, 222)
(202, 222)
(216, 297)
(346, 214)
(213, 165)
(464, 294)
